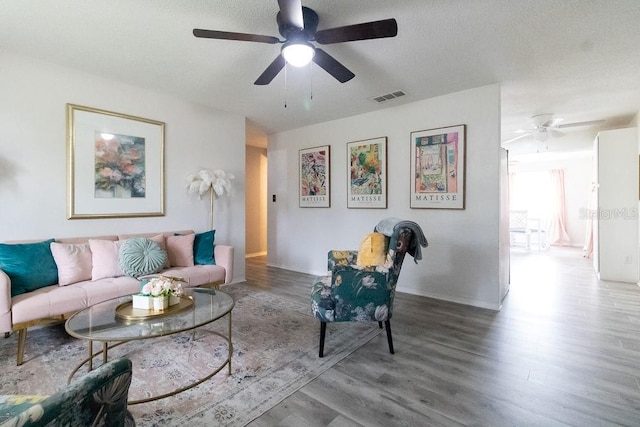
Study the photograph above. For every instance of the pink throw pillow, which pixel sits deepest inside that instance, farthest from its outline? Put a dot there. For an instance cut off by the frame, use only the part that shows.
(73, 261)
(105, 259)
(180, 250)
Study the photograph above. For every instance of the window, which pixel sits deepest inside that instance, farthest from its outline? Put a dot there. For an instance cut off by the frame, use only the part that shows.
(532, 192)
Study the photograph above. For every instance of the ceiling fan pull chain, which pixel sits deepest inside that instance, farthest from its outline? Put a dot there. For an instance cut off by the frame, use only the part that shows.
(311, 80)
(285, 85)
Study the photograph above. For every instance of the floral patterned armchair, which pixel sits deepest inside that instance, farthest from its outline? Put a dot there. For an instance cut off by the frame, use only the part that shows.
(97, 399)
(354, 292)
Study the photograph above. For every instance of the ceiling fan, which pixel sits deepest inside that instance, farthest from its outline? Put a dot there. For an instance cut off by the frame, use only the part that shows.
(544, 126)
(298, 25)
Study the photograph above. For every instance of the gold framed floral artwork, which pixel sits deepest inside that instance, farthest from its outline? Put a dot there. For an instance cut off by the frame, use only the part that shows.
(437, 168)
(115, 164)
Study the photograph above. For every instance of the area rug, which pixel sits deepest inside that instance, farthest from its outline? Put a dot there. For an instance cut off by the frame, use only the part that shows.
(275, 353)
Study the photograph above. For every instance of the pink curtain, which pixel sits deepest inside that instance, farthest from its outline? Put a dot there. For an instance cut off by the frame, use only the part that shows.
(558, 235)
(587, 249)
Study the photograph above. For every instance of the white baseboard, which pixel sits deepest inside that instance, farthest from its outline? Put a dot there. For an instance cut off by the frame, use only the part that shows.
(285, 267)
(443, 297)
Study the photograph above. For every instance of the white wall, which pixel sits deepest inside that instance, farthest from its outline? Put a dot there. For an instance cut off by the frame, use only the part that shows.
(504, 253)
(617, 205)
(462, 261)
(33, 155)
(578, 176)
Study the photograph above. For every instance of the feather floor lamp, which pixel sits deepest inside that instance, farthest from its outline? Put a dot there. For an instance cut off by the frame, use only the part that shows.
(217, 183)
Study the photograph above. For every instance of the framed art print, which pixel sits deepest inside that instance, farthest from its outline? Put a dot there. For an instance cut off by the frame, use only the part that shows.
(437, 168)
(367, 173)
(314, 184)
(115, 164)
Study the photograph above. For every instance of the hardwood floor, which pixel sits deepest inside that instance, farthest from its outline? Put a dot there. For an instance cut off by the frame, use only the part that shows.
(564, 350)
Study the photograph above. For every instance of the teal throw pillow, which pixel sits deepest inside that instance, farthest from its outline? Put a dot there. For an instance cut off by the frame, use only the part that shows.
(30, 266)
(203, 248)
(139, 256)
(203, 244)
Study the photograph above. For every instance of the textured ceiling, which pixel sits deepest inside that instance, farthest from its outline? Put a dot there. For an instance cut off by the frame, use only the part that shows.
(577, 59)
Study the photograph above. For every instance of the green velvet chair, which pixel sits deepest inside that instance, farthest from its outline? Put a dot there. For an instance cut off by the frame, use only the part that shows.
(354, 292)
(97, 399)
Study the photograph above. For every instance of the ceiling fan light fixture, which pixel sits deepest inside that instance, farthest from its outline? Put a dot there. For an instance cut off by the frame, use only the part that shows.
(298, 53)
(298, 25)
(541, 135)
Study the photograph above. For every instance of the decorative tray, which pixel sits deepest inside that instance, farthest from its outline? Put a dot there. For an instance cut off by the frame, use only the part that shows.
(127, 313)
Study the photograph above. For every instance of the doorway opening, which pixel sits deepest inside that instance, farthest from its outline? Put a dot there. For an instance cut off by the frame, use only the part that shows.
(256, 194)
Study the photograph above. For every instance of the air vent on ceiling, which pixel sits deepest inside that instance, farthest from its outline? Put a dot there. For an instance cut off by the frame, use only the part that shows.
(388, 96)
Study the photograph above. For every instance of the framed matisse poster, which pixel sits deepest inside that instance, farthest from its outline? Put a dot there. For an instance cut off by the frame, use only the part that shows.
(437, 168)
(315, 182)
(115, 164)
(367, 173)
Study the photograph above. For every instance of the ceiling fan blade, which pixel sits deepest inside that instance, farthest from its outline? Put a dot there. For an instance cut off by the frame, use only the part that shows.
(552, 122)
(508, 141)
(365, 31)
(556, 133)
(271, 72)
(587, 123)
(225, 35)
(291, 13)
(332, 66)
(519, 131)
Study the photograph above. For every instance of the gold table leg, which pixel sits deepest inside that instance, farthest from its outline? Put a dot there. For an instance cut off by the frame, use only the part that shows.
(105, 356)
(22, 339)
(90, 355)
(230, 344)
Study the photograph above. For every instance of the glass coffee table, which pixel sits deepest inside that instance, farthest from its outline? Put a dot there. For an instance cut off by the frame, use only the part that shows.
(110, 323)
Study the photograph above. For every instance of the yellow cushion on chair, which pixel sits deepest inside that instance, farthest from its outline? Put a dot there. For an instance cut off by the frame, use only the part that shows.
(373, 249)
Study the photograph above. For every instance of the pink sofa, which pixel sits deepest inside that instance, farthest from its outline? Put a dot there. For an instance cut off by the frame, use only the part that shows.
(56, 303)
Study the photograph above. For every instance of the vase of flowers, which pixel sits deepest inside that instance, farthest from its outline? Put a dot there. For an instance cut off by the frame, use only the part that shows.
(160, 303)
(158, 294)
(174, 299)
